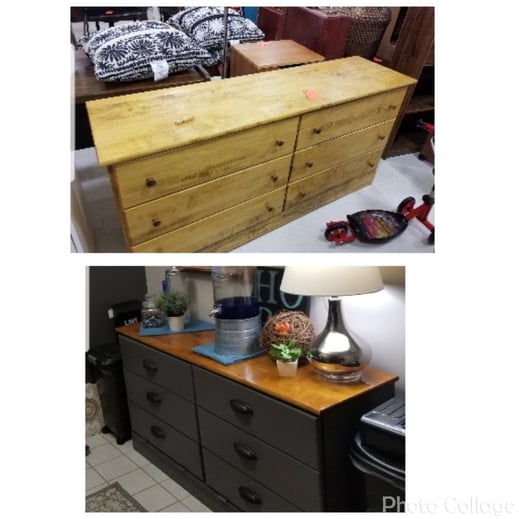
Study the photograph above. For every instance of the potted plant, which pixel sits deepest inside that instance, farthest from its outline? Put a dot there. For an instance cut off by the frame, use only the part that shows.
(173, 305)
(287, 356)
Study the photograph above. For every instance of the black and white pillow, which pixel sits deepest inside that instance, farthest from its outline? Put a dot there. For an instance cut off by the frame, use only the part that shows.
(206, 26)
(142, 50)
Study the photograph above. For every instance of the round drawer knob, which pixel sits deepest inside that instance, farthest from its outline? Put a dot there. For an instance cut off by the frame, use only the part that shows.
(274, 178)
(381, 137)
(156, 222)
(371, 163)
(270, 208)
(309, 164)
(150, 181)
(302, 194)
(280, 143)
(317, 131)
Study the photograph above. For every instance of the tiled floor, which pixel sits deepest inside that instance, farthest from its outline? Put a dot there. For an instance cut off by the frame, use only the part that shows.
(155, 490)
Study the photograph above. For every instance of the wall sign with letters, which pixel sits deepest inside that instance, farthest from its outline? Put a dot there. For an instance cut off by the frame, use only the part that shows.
(271, 298)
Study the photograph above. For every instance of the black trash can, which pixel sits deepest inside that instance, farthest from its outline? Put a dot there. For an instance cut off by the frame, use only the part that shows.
(104, 368)
(106, 365)
(378, 453)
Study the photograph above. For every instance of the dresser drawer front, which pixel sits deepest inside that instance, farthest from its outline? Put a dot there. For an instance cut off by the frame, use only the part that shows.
(157, 367)
(291, 430)
(201, 235)
(170, 408)
(241, 490)
(171, 442)
(151, 177)
(333, 122)
(332, 183)
(153, 219)
(282, 474)
(329, 153)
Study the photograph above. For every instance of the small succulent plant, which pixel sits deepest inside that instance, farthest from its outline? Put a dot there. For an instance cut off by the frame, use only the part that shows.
(172, 304)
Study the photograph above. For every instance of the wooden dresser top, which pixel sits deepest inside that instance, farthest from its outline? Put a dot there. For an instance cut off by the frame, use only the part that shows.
(136, 125)
(306, 391)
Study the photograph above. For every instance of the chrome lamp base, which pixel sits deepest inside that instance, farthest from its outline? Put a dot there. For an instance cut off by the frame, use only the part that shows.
(336, 355)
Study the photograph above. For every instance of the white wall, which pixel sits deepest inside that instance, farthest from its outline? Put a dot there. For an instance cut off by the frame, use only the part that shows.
(378, 318)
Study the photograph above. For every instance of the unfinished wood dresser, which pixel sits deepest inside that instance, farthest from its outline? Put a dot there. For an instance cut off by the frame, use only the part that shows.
(210, 166)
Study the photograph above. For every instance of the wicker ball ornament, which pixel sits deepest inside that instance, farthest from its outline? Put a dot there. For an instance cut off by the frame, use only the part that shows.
(300, 328)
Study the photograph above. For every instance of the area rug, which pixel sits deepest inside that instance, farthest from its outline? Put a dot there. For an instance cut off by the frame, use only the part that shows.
(112, 498)
(94, 412)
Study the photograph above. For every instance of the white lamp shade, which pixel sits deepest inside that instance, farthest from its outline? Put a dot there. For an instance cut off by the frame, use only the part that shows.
(331, 281)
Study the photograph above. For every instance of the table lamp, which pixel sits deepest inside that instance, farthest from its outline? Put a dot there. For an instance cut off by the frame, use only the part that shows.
(336, 354)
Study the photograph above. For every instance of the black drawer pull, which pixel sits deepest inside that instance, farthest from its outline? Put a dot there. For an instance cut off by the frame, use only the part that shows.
(157, 431)
(153, 397)
(249, 496)
(240, 407)
(149, 365)
(245, 452)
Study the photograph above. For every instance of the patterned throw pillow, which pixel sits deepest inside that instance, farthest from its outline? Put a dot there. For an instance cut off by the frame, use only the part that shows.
(142, 50)
(206, 26)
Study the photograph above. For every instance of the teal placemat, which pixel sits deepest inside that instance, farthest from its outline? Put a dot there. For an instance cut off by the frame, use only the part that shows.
(208, 350)
(194, 325)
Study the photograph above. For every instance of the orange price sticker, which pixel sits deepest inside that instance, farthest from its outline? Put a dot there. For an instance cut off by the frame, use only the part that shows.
(311, 94)
(263, 43)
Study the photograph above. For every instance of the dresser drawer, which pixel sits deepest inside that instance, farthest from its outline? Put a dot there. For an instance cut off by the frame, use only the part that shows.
(213, 229)
(333, 183)
(181, 449)
(329, 153)
(157, 367)
(291, 430)
(244, 492)
(153, 219)
(172, 409)
(282, 474)
(154, 176)
(349, 117)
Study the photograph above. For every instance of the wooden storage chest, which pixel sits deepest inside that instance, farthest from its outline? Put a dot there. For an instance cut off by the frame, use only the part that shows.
(210, 166)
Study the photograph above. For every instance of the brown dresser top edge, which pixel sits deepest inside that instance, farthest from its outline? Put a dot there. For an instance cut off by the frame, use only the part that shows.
(307, 391)
(138, 125)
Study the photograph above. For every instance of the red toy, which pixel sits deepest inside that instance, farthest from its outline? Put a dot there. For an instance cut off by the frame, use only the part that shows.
(375, 225)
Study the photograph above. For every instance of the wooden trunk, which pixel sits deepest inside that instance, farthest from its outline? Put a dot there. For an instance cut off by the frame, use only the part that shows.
(322, 32)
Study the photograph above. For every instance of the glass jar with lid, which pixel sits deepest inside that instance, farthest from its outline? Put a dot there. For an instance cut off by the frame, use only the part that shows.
(176, 281)
(233, 289)
(151, 316)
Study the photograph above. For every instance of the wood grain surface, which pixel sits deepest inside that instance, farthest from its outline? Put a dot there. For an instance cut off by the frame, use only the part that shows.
(135, 125)
(307, 390)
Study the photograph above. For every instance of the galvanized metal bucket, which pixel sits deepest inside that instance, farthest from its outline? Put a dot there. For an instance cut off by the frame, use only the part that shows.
(236, 337)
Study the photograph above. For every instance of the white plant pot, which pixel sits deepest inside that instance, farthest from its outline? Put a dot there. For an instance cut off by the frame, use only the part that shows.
(176, 324)
(287, 369)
